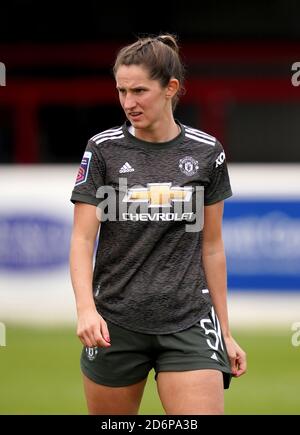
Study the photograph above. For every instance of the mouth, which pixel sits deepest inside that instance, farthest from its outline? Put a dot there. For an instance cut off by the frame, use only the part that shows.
(135, 115)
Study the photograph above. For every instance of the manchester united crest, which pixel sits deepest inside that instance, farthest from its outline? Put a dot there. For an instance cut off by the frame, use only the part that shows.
(188, 165)
(91, 353)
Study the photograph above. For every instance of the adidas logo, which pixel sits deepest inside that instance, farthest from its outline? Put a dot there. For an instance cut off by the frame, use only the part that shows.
(214, 356)
(126, 168)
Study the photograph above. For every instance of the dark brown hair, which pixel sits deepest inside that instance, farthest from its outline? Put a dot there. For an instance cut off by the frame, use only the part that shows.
(159, 55)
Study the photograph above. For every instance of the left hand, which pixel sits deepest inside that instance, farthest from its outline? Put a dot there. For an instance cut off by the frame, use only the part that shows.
(237, 357)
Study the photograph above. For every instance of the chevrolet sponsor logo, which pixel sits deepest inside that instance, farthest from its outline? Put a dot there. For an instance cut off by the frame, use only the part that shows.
(158, 216)
(158, 194)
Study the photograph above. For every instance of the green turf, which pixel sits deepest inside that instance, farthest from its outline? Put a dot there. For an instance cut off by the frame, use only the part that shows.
(39, 374)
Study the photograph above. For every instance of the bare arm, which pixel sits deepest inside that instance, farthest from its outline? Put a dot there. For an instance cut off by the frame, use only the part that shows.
(214, 263)
(92, 328)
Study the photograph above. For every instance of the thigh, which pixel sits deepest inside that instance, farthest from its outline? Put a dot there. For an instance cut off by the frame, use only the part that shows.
(191, 392)
(199, 347)
(104, 400)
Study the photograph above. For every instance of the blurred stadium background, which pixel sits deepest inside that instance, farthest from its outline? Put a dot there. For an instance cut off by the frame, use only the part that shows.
(59, 92)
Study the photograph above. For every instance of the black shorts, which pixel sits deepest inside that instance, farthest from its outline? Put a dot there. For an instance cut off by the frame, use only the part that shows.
(132, 354)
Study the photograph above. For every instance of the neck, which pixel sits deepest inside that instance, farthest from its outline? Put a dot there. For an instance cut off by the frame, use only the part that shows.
(163, 133)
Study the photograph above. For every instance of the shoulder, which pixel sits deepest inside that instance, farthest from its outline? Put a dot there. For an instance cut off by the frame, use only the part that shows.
(111, 134)
(199, 136)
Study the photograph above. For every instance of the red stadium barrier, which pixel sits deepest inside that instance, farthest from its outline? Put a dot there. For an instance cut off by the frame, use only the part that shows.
(211, 94)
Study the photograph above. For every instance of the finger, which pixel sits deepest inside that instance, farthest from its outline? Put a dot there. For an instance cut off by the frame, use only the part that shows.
(233, 364)
(105, 332)
(88, 342)
(84, 338)
(89, 339)
(242, 366)
(100, 338)
(234, 370)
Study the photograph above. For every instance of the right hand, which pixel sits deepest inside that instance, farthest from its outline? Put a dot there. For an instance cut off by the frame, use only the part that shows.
(92, 329)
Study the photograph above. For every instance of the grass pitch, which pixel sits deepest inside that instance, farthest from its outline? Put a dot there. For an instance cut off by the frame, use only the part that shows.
(40, 374)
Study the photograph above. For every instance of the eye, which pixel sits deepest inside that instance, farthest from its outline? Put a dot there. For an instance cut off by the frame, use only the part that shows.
(121, 91)
(139, 90)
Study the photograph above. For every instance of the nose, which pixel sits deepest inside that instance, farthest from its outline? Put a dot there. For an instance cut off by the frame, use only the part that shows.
(129, 102)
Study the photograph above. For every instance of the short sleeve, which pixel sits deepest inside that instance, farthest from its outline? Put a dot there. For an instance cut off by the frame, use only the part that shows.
(90, 176)
(218, 187)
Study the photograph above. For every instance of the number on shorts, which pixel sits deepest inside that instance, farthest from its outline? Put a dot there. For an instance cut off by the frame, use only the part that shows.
(215, 331)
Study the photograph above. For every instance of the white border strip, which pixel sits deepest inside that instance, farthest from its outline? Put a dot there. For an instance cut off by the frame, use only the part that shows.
(260, 181)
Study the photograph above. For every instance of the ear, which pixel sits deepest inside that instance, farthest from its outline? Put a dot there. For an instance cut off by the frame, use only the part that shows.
(172, 88)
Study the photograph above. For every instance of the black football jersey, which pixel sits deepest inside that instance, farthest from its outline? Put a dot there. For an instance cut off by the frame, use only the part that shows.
(148, 273)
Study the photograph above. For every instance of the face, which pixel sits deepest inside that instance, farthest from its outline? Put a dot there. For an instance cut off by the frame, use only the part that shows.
(143, 100)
